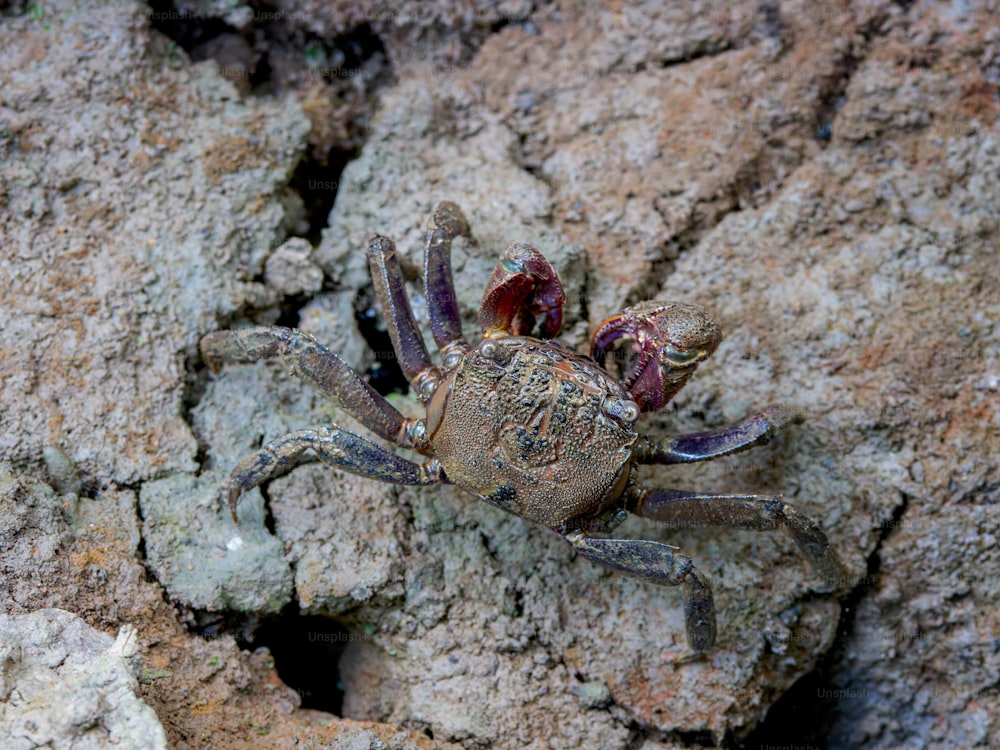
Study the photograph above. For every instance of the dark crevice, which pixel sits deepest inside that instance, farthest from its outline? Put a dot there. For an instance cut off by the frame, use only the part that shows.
(384, 374)
(583, 297)
(640, 734)
(306, 648)
(196, 378)
(806, 712)
(142, 554)
(700, 738)
(250, 52)
(518, 603)
(317, 182)
(188, 29)
(833, 88)
(143, 557)
(269, 523)
(290, 309)
(306, 651)
(487, 543)
(708, 48)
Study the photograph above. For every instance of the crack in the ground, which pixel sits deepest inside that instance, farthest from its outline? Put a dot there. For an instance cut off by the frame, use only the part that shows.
(747, 180)
(306, 648)
(802, 714)
(833, 88)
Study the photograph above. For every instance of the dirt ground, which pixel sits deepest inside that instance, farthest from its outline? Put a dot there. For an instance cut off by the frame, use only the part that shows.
(824, 178)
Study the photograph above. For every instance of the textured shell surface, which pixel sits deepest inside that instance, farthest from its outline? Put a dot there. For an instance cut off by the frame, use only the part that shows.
(530, 426)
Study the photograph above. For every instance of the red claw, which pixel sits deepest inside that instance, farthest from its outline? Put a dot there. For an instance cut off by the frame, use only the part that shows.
(523, 285)
(659, 344)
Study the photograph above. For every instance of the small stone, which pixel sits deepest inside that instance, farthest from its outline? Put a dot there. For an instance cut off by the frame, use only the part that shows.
(290, 269)
(593, 694)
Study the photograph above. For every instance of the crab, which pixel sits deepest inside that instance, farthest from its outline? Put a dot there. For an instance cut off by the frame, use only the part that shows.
(527, 424)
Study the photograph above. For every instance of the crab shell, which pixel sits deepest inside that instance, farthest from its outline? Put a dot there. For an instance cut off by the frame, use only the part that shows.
(534, 428)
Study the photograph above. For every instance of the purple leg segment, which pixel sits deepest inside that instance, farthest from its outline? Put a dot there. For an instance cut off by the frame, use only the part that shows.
(319, 367)
(701, 446)
(406, 339)
(335, 446)
(447, 223)
(681, 509)
(660, 564)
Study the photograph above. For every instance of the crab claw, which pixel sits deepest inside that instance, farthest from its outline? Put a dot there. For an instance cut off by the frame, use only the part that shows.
(660, 344)
(523, 285)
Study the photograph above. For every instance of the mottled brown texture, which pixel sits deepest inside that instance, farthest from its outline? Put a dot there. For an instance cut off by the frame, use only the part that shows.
(535, 440)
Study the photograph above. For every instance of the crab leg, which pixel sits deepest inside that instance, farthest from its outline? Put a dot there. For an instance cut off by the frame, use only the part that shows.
(448, 223)
(701, 446)
(660, 564)
(406, 339)
(319, 367)
(523, 285)
(335, 446)
(681, 509)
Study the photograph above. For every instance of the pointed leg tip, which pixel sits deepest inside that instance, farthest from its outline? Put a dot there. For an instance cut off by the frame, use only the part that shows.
(233, 499)
(701, 643)
(212, 347)
(779, 415)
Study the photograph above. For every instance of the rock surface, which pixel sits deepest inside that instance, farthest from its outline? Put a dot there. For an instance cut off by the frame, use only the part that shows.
(64, 684)
(824, 179)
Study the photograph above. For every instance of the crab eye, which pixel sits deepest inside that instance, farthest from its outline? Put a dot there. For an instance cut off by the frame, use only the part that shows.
(494, 351)
(625, 411)
(511, 266)
(681, 357)
(630, 411)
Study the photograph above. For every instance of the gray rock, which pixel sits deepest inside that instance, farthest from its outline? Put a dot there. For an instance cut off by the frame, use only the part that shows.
(65, 685)
(127, 234)
(290, 269)
(201, 557)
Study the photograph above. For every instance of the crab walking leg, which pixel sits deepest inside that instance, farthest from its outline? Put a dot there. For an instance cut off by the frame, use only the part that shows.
(319, 367)
(335, 446)
(660, 564)
(439, 288)
(680, 509)
(701, 446)
(406, 339)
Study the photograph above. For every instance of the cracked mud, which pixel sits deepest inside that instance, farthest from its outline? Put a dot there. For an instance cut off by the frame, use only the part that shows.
(825, 180)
